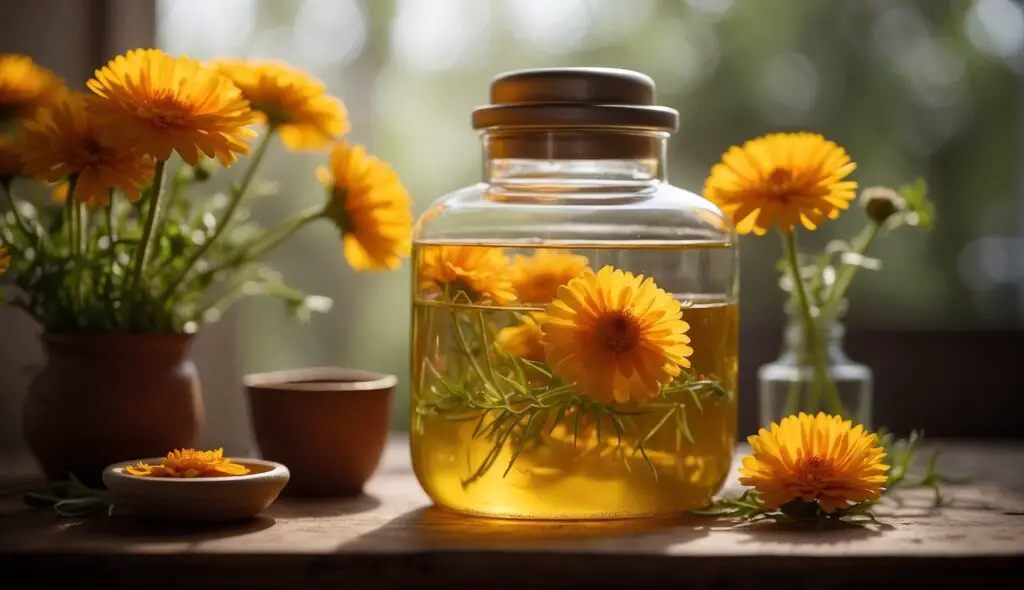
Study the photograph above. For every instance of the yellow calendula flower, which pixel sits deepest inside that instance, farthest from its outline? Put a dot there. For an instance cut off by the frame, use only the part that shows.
(524, 340)
(370, 206)
(475, 273)
(616, 336)
(5, 260)
(25, 86)
(63, 139)
(290, 100)
(537, 278)
(159, 104)
(784, 179)
(821, 459)
(10, 158)
(190, 463)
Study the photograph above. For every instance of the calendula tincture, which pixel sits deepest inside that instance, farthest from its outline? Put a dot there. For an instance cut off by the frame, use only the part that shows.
(575, 318)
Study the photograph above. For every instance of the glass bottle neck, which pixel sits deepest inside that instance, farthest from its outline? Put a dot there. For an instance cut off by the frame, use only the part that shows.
(831, 335)
(598, 156)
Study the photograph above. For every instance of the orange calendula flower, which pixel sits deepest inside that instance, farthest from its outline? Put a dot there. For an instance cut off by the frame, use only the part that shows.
(25, 86)
(788, 179)
(821, 459)
(293, 102)
(472, 273)
(10, 158)
(616, 336)
(536, 279)
(525, 340)
(63, 140)
(159, 104)
(370, 206)
(5, 260)
(190, 463)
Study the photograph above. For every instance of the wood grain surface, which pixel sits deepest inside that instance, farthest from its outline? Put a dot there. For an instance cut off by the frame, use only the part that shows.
(392, 537)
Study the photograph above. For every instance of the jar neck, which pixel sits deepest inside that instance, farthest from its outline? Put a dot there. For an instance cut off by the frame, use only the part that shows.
(599, 155)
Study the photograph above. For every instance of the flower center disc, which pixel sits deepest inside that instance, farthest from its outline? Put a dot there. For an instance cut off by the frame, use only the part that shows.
(617, 333)
(813, 468)
(780, 177)
(458, 286)
(163, 110)
(547, 283)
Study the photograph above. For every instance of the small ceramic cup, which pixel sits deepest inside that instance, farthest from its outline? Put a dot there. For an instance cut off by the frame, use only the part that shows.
(328, 425)
(204, 499)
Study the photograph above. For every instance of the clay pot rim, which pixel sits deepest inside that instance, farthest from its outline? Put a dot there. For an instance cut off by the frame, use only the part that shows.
(276, 471)
(327, 379)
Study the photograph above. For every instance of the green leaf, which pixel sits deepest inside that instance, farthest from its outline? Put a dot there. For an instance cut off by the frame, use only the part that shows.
(915, 195)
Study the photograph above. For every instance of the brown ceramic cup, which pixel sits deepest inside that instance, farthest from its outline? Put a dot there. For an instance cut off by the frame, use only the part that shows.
(328, 425)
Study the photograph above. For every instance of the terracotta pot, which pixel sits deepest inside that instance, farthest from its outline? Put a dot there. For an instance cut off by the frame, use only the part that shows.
(101, 399)
(327, 425)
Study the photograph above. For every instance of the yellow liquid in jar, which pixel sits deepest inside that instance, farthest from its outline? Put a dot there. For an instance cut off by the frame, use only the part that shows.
(561, 468)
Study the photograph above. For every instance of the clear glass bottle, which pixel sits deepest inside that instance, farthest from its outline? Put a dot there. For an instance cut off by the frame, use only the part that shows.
(786, 386)
(547, 382)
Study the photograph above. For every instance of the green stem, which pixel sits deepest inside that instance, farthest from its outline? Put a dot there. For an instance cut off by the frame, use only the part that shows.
(282, 234)
(111, 231)
(236, 199)
(83, 229)
(811, 334)
(69, 223)
(138, 263)
(6, 186)
(77, 214)
(271, 239)
(463, 343)
(792, 397)
(76, 221)
(848, 271)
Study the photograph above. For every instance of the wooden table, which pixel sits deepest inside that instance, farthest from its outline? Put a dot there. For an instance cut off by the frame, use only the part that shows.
(392, 537)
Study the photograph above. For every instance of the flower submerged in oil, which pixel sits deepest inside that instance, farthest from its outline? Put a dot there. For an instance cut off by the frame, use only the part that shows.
(578, 393)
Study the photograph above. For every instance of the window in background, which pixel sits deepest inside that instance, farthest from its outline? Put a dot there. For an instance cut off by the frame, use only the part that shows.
(907, 87)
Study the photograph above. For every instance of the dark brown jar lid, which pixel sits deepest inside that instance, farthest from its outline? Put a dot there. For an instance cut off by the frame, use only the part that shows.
(574, 97)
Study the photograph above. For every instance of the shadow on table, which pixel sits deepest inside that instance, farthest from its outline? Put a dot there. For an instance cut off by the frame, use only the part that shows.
(435, 528)
(832, 532)
(297, 507)
(146, 530)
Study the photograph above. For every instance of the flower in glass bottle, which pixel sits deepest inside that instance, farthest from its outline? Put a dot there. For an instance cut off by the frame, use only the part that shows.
(536, 279)
(616, 336)
(788, 180)
(467, 273)
(524, 340)
(784, 179)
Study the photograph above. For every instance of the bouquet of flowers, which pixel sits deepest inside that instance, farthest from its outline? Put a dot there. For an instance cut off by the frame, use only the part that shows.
(126, 240)
(794, 181)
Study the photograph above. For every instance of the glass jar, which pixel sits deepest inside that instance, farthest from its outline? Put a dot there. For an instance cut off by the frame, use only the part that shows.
(552, 374)
(786, 386)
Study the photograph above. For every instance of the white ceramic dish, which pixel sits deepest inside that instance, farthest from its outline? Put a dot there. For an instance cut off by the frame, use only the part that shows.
(208, 499)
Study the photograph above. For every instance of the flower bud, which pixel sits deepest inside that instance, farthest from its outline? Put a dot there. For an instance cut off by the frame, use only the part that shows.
(203, 170)
(881, 203)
